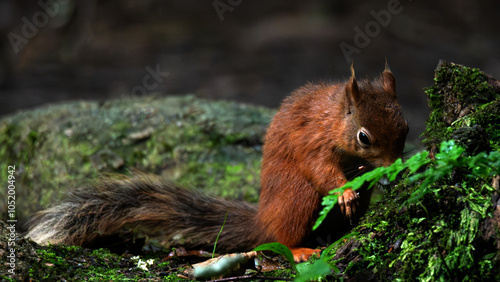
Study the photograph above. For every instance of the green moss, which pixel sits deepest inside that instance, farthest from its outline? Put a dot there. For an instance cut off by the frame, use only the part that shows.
(200, 143)
(460, 96)
(488, 116)
(68, 262)
(426, 227)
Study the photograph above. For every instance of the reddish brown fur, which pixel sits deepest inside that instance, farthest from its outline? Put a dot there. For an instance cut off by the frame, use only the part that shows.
(311, 144)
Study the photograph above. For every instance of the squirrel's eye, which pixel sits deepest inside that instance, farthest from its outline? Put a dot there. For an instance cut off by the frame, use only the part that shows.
(363, 139)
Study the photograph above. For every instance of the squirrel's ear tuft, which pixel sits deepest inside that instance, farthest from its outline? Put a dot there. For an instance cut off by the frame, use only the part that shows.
(389, 81)
(386, 65)
(352, 92)
(352, 69)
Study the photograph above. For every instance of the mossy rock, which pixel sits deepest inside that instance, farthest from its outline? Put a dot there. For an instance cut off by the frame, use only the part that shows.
(210, 145)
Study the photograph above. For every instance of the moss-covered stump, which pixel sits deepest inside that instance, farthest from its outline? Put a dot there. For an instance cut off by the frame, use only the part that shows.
(464, 101)
(211, 145)
(445, 229)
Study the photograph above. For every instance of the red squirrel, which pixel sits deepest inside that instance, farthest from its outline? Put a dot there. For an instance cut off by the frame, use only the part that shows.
(322, 136)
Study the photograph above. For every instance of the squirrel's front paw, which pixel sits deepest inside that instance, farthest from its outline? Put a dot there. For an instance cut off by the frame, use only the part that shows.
(348, 202)
(303, 254)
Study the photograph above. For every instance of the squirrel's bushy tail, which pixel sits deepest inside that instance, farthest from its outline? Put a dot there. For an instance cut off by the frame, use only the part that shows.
(152, 207)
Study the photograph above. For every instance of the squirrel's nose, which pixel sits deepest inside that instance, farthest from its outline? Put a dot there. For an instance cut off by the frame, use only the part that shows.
(388, 161)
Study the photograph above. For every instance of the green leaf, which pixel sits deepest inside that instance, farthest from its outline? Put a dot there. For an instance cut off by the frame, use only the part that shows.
(279, 249)
(328, 203)
(312, 271)
(218, 235)
(417, 161)
(370, 178)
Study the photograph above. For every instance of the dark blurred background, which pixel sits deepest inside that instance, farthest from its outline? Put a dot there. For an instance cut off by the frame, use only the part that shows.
(249, 51)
